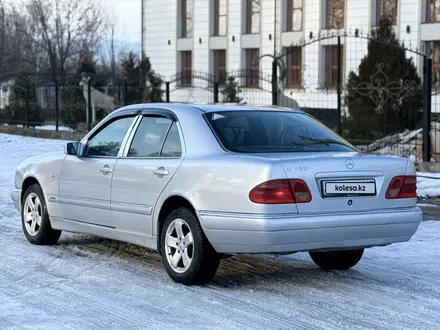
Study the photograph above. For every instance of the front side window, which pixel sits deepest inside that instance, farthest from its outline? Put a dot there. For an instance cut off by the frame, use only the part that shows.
(156, 137)
(108, 141)
(273, 132)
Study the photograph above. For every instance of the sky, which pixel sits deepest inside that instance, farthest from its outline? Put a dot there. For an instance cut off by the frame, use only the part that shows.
(127, 15)
(128, 19)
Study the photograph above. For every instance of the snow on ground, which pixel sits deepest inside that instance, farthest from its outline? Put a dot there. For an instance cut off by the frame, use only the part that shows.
(428, 184)
(90, 283)
(49, 127)
(53, 128)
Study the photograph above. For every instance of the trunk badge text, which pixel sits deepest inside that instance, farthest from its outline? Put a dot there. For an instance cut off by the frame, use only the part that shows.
(297, 168)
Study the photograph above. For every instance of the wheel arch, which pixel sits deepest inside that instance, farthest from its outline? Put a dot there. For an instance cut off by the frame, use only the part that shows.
(170, 204)
(27, 182)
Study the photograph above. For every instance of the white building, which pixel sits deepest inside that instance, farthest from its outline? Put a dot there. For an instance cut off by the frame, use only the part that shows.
(228, 35)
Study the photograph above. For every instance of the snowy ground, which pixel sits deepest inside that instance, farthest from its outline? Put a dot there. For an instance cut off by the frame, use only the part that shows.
(428, 184)
(91, 283)
(48, 127)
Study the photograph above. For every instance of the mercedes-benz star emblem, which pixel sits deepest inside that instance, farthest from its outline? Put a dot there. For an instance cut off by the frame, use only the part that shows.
(349, 163)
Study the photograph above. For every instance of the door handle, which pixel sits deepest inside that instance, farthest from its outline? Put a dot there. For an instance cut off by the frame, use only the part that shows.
(105, 170)
(160, 172)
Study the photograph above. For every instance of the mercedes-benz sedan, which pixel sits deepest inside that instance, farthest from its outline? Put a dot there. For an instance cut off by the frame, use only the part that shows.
(198, 183)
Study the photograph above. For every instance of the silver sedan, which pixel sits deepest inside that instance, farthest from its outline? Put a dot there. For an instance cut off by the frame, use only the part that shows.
(199, 183)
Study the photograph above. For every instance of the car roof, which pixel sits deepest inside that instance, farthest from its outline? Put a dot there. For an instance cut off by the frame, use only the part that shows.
(219, 107)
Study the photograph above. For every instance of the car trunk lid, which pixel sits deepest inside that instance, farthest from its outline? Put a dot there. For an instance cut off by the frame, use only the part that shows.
(346, 182)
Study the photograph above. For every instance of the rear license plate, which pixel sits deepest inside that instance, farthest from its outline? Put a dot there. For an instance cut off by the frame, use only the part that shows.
(349, 188)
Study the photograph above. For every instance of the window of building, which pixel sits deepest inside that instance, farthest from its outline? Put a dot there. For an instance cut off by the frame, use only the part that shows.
(252, 11)
(435, 52)
(294, 15)
(335, 14)
(220, 17)
(186, 68)
(252, 67)
(387, 8)
(186, 17)
(433, 11)
(220, 65)
(294, 67)
(331, 66)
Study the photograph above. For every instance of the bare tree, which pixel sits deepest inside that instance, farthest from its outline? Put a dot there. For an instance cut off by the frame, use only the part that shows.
(113, 50)
(2, 35)
(59, 31)
(109, 50)
(11, 44)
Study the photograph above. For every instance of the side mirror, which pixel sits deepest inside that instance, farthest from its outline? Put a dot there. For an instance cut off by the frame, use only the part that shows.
(73, 148)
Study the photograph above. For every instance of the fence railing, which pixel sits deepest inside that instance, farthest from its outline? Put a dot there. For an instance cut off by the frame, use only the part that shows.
(376, 107)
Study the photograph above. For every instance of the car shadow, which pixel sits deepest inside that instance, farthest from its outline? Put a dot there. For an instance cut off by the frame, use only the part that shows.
(269, 272)
(261, 272)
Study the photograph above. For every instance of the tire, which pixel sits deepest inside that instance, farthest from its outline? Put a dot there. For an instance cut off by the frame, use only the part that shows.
(35, 219)
(187, 263)
(337, 260)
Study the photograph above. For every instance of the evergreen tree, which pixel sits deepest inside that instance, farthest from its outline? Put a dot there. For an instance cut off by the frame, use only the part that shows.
(384, 97)
(73, 109)
(143, 84)
(131, 77)
(231, 92)
(23, 95)
(73, 103)
(155, 87)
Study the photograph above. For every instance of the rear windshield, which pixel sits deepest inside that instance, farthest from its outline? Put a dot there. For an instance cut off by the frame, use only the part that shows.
(273, 131)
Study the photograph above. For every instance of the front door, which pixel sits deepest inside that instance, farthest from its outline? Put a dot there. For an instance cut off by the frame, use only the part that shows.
(85, 180)
(149, 162)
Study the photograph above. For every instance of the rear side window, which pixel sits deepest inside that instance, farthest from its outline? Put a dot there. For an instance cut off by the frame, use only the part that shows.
(156, 137)
(172, 146)
(149, 137)
(273, 131)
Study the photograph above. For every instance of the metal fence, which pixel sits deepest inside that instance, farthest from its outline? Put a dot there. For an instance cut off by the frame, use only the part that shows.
(375, 92)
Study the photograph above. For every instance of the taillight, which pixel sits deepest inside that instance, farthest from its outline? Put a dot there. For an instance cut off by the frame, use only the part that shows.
(281, 191)
(402, 187)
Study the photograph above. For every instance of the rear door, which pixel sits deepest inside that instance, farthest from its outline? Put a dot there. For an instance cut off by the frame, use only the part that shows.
(153, 154)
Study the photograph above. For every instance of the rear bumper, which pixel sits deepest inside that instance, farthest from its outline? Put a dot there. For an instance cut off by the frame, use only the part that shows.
(247, 233)
(15, 196)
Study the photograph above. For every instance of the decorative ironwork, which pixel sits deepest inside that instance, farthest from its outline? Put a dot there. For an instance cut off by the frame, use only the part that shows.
(379, 89)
